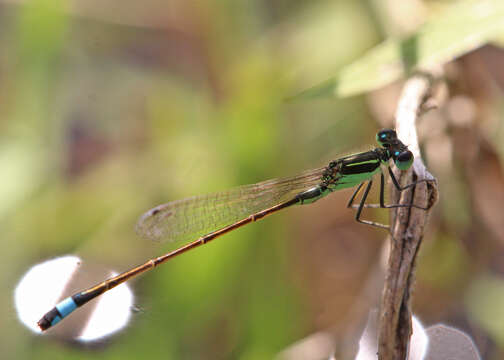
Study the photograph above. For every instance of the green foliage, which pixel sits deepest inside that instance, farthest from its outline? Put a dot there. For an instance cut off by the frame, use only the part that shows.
(457, 30)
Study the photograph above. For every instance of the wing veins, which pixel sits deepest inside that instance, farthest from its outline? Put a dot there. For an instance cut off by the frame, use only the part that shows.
(198, 215)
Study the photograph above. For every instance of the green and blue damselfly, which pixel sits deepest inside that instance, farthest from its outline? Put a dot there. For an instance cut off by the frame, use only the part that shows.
(230, 210)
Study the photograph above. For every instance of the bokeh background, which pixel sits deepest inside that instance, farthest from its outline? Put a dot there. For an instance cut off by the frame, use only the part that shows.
(108, 109)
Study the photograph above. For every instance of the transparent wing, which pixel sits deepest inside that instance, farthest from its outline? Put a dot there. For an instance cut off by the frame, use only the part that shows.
(199, 215)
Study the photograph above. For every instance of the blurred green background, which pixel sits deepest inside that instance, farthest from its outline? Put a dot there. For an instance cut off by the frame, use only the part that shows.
(108, 109)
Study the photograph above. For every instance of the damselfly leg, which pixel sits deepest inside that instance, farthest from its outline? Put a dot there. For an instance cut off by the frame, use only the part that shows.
(362, 204)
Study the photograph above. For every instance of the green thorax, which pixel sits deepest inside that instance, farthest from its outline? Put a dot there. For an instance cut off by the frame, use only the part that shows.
(352, 170)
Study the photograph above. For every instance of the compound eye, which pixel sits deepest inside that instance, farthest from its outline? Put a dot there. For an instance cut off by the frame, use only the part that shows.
(403, 160)
(385, 136)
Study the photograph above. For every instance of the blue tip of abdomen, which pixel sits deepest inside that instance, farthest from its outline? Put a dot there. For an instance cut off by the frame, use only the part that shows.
(65, 307)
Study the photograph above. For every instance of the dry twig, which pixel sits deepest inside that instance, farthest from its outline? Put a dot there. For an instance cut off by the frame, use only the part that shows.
(407, 226)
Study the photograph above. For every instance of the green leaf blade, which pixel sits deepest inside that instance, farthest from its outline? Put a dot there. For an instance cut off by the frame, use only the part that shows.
(459, 29)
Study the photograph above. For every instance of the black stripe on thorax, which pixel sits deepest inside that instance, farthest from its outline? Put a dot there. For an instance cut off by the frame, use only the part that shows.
(360, 163)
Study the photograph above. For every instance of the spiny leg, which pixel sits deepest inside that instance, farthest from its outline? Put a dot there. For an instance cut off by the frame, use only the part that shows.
(399, 188)
(382, 204)
(350, 202)
(361, 206)
(382, 191)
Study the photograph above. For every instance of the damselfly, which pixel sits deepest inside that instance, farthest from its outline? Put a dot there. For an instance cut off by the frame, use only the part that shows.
(220, 213)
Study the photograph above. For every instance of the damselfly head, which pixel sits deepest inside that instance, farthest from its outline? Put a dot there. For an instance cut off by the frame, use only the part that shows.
(403, 158)
(386, 137)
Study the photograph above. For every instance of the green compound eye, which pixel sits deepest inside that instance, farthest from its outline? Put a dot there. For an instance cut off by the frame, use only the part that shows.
(403, 160)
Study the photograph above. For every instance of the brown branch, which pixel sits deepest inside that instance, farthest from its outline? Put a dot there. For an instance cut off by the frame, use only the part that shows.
(407, 226)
